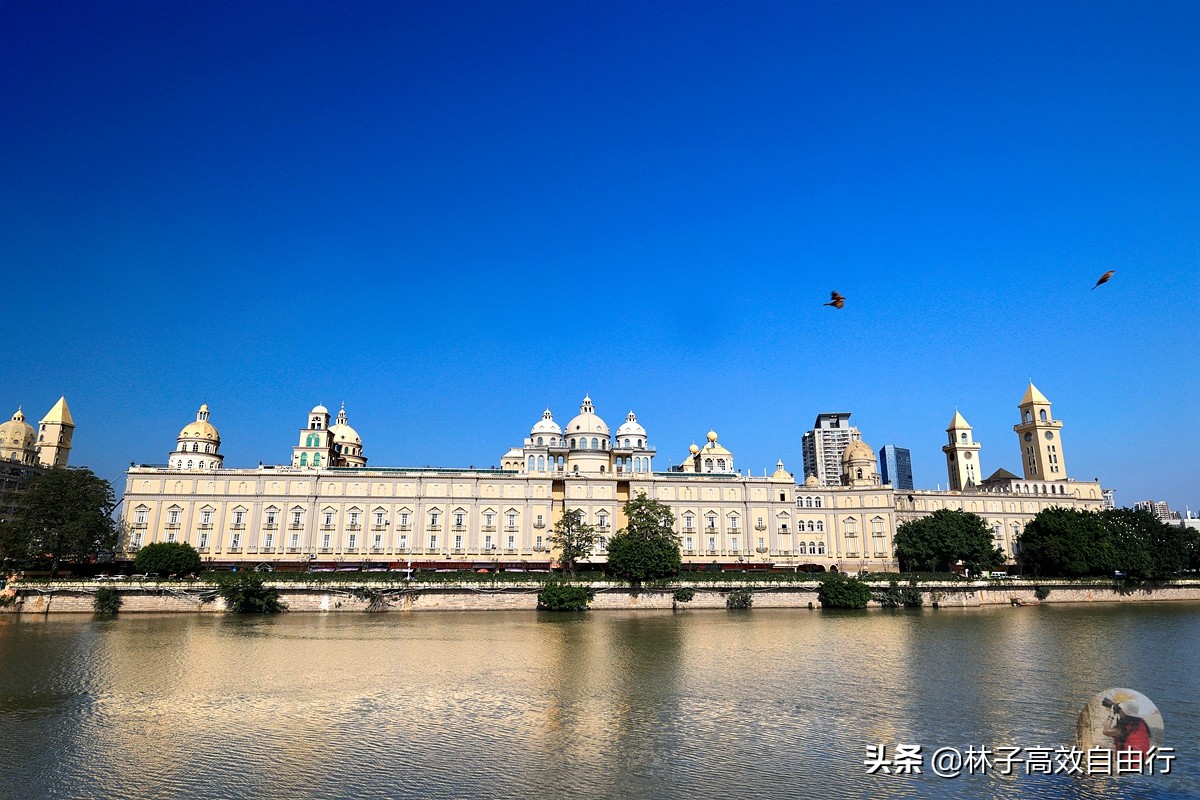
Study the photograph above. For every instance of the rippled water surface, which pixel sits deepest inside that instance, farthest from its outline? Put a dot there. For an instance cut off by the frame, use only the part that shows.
(698, 704)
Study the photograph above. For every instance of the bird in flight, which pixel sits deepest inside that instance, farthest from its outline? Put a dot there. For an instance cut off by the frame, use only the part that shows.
(836, 300)
(1105, 277)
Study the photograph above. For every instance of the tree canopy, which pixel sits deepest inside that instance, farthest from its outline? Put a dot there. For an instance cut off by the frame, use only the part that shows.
(167, 558)
(937, 542)
(573, 538)
(1062, 542)
(64, 515)
(647, 547)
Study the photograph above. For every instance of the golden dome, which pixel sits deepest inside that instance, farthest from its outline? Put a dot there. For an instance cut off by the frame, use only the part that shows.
(811, 481)
(781, 474)
(586, 421)
(712, 436)
(695, 448)
(17, 433)
(858, 450)
(201, 429)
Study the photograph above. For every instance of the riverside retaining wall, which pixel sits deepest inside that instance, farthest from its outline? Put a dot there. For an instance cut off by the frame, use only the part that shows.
(182, 597)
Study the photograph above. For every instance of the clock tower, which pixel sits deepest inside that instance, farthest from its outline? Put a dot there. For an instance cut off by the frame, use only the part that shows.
(962, 455)
(1040, 436)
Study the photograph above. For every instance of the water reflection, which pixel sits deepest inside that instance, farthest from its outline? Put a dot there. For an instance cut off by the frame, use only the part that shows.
(769, 703)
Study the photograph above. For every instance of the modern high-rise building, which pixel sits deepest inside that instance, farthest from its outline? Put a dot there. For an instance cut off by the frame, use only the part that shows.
(895, 466)
(824, 445)
(1158, 508)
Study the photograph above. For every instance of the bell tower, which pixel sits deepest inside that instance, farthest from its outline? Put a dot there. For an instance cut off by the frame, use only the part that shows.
(54, 435)
(962, 455)
(1040, 436)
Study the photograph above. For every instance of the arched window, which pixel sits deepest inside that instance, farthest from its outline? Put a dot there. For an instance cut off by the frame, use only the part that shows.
(189, 463)
(820, 526)
(818, 501)
(201, 465)
(812, 548)
(963, 437)
(1042, 415)
(820, 548)
(720, 465)
(808, 502)
(639, 442)
(304, 459)
(316, 462)
(572, 444)
(627, 443)
(859, 473)
(576, 468)
(1028, 417)
(595, 444)
(539, 441)
(208, 448)
(602, 468)
(708, 465)
(531, 463)
(541, 463)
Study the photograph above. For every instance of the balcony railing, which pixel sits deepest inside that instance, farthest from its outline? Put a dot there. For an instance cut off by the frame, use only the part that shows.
(539, 524)
(238, 526)
(234, 550)
(404, 526)
(325, 550)
(172, 526)
(205, 526)
(489, 528)
(354, 526)
(760, 527)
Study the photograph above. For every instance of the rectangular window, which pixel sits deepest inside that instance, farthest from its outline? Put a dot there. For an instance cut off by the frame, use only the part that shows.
(761, 542)
(269, 541)
(458, 519)
(173, 517)
(403, 541)
(236, 542)
(539, 520)
(203, 540)
(206, 517)
(688, 543)
(171, 536)
(733, 544)
(433, 542)
(326, 542)
(489, 520)
(512, 520)
(296, 519)
(458, 542)
(328, 519)
(137, 541)
(433, 518)
(354, 518)
(271, 517)
(487, 543)
(139, 516)
(353, 541)
(512, 542)
(712, 543)
(378, 519)
(239, 517)
(404, 518)
(295, 541)
(538, 542)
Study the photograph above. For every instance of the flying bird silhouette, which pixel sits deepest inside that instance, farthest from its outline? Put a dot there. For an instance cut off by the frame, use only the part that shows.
(836, 300)
(1105, 277)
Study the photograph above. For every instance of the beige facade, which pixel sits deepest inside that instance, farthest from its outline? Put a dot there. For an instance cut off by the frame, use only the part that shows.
(357, 515)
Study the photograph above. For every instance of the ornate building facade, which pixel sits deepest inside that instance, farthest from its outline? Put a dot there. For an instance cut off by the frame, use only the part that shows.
(328, 508)
(25, 452)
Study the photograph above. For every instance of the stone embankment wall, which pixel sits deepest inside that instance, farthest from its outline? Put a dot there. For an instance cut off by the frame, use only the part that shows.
(77, 597)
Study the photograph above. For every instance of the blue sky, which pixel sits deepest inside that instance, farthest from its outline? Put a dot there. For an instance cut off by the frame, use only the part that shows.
(451, 215)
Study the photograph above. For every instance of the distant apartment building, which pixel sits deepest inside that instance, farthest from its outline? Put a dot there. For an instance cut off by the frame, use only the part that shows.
(1158, 508)
(895, 466)
(1110, 498)
(824, 445)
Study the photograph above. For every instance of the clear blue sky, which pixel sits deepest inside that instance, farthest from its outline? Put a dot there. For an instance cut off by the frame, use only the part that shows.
(450, 215)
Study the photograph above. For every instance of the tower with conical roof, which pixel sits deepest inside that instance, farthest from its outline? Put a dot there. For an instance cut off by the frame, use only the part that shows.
(962, 455)
(54, 435)
(1040, 436)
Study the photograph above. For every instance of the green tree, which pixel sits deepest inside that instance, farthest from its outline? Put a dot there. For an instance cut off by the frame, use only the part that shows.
(1064, 542)
(646, 548)
(574, 539)
(937, 542)
(167, 558)
(1144, 546)
(838, 591)
(64, 515)
(561, 596)
(245, 593)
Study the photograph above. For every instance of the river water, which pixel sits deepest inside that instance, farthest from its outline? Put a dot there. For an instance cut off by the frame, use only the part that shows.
(689, 705)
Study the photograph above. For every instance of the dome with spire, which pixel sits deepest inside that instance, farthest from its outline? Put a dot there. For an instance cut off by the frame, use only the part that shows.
(200, 430)
(781, 475)
(546, 426)
(586, 422)
(17, 438)
(341, 430)
(631, 427)
(858, 450)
